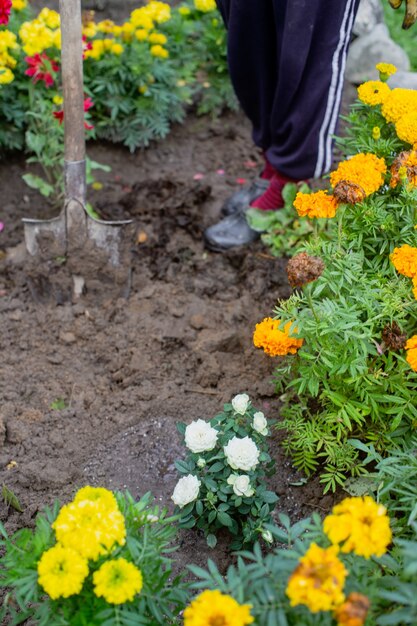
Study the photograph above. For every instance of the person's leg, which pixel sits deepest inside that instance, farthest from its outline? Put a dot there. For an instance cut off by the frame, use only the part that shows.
(311, 56)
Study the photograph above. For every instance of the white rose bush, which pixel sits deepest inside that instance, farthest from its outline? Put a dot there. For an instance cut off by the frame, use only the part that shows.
(223, 476)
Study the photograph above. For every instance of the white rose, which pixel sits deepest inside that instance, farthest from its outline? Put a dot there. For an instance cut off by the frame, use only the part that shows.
(259, 423)
(240, 403)
(186, 490)
(241, 485)
(200, 436)
(242, 454)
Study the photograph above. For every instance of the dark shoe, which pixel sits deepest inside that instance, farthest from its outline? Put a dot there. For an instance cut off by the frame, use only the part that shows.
(244, 196)
(232, 231)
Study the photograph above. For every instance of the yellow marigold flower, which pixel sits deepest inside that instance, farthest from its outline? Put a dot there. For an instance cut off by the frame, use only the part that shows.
(274, 341)
(6, 60)
(159, 51)
(36, 37)
(406, 128)
(318, 580)
(411, 347)
(366, 170)
(361, 525)
(157, 38)
(117, 30)
(117, 49)
(415, 286)
(58, 100)
(205, 5)
(19, 5)
(96, 51)
(140, 19)
(141, 34)
(184, 11)
(399, 102)
(215, 608)
(117, 581)
(385, 70)
(318, 204)
(353, 611)
(56, 39)
(89, 30)
(92, 528)
(373, 92)
(404, 260)
(107, 44)
(61, 572)
(96, 494)
(106, 26)
(6, 76)
(50, 18)
(159, 11)
(8, 41)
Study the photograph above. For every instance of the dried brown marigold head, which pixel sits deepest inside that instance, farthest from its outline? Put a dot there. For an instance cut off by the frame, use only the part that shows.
(303, 269)
(348, 192)
(353, 611)
(393, 337)
(404, 163)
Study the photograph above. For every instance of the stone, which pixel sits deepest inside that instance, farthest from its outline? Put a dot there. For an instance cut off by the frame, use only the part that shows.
(198, 321)
(67, 337)
(375, 47)
(17, 431)
(405, 80)
(370, 13)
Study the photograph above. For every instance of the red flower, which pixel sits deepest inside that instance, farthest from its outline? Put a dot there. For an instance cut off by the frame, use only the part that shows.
(5, 7)
(41, 67)
(87, 45)
(88, 103)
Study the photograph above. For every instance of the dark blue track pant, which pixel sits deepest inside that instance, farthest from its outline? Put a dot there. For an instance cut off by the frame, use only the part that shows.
(287, 60)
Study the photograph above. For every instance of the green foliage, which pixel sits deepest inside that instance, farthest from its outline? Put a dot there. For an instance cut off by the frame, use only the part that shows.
(220, 503)
(149, 536)
(407, 39)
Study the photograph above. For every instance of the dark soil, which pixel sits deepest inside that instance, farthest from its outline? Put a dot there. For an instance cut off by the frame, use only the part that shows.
(92, 389)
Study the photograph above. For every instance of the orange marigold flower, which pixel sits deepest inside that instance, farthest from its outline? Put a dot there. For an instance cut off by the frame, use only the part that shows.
(274, 341)
(318, 580)
(415, 286)
(318, 204)
(353, 611)
(411, 347)
(411, 343)
(404, 260)
(366, 170)
(399, 102)
(405, 163)
(406, 128)
(373, 92)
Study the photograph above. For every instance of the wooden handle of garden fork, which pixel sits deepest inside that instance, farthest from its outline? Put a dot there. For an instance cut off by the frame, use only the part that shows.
(73, 92)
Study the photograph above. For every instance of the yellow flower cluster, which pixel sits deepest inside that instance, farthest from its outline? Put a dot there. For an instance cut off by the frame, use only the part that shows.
(61, 572)
(217, 609)
(205, 5)
(159, 51)
(117, 581)
(274, 341)
(406, 128)
(92, 524)
(101, 46)
(41, 33)
(411, 347)
(318, 204)
(373, 92)
(398, 103)
(89, 527)
(8, 42)
(366, 170)
(360, 525)
(404, 260)
(318, 580)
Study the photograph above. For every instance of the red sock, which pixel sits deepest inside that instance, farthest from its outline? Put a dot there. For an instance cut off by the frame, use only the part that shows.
(272, 199)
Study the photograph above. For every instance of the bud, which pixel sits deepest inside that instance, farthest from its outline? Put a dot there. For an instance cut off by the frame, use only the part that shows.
(267, 536)
(201, 463)
(349, 193)
(393, 337)
(303, 269)
(376, 133)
